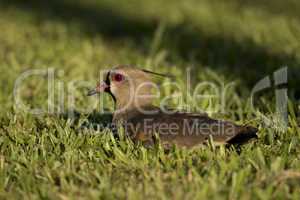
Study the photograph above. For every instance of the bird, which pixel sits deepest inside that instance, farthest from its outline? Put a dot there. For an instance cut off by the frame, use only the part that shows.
(145, 123)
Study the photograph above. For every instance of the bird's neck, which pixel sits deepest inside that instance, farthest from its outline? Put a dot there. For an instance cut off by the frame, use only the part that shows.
(128, 104)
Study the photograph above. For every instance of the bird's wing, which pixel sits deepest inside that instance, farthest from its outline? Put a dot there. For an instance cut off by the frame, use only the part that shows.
(186, 129)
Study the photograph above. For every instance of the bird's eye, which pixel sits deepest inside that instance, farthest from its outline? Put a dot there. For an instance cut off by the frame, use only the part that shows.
(118, 77)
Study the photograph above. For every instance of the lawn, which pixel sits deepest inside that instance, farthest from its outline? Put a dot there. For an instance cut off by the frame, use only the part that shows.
(232, 42)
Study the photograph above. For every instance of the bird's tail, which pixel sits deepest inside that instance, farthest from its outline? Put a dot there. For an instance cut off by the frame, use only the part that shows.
(245, 134)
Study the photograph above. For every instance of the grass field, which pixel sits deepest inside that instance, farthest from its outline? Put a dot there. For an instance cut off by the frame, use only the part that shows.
(49, 157)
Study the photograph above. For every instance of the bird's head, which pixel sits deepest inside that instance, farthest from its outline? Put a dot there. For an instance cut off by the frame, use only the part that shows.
(128, 86)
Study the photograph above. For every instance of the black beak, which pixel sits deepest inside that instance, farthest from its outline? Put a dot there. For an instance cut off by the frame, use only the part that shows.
(101, 87)
(92, 92)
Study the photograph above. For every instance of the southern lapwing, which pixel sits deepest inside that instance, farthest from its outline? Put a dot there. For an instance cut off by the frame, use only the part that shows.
(131, 89)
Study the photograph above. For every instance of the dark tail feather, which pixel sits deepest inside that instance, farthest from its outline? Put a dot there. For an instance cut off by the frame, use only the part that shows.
(245, 134)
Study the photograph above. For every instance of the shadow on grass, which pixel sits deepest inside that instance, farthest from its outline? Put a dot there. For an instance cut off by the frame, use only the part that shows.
(233, 58)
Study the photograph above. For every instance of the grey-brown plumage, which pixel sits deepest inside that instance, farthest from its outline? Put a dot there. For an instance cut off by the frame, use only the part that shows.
(131, 89)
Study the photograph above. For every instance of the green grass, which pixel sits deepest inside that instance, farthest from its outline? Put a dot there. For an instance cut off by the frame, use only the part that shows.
(49, 157)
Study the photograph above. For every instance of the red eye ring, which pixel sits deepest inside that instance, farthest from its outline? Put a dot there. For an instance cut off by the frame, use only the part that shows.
(118, 77)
